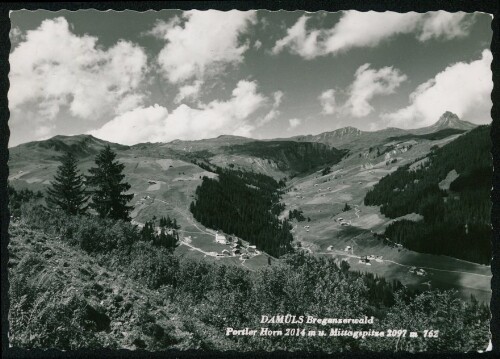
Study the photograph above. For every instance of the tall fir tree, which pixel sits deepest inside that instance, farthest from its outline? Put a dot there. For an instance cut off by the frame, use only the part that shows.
(107, 187)
(67, 191)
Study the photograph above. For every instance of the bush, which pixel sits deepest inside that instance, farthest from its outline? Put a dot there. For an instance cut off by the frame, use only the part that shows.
(42, 314)
(153, 266)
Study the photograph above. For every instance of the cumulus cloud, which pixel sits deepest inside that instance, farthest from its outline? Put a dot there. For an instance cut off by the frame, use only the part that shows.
(368, 29)
(202, 43)
(274, 112)
(328, 102)
(442, 24)
(294, 122)
(157, 124)
(54, 68)
(462, 88)
(369, 83)
(189, 91)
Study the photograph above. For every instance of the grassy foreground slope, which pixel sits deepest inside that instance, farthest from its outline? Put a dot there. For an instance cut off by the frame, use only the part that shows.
(87, 282)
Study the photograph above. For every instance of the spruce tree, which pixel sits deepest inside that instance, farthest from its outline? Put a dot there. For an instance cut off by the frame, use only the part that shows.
(67, 191)
(107, 187)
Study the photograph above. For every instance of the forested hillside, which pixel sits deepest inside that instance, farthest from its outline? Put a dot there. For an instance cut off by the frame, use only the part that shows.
(245, 204)
(290, 155)
(456, 220)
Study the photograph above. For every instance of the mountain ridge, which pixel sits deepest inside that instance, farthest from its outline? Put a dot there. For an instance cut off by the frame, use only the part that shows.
(338, 137)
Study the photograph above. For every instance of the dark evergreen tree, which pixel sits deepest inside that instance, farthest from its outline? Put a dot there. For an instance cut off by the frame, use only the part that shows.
(107, 187)
(67, 190)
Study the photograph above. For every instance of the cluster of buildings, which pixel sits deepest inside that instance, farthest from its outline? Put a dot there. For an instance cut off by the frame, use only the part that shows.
(237, 248)
(418, 271)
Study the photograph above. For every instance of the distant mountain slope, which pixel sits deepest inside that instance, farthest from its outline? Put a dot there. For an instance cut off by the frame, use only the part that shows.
(352, 138)
(336, 138)
(80, 145)
(456, 221)
(290, 155)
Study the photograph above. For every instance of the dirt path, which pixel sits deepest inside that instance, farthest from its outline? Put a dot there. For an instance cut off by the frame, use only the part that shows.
(197, 249)
(406, 265)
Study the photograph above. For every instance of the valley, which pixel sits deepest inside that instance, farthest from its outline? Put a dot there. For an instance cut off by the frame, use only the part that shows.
(164, 179)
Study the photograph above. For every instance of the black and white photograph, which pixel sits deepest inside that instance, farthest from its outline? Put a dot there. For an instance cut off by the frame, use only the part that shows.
(252, 180)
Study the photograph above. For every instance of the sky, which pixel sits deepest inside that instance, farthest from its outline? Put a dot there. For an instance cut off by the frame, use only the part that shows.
(131, 77)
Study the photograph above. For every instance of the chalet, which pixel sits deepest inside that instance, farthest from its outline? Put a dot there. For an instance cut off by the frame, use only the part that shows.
(371, 257)
(251, 248)
(151, 182)
(307, 227)
(344, 223)
(348, 248)
(236, 251)
(379, 259)
(421, 272)
(226, 252)
(244, 256)
(412, 269)
(365, 260)
(220, 238)
(329, 248)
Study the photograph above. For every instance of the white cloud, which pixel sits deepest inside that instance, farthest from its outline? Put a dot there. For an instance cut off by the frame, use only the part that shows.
(462, 88)
(53, 68)
(202, 43)
(16, 35)
(328, 102)
(257, 44)
(274, 112)
(368, 29)
(294, 122)
(156, 124)
(369, 83)
(189, 91)
(442, 24)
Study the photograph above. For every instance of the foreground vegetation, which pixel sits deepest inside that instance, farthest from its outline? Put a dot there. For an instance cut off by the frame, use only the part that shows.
(83, 281)
(456, 221)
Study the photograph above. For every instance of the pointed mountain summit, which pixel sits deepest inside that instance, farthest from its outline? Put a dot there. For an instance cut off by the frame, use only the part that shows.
(448, 120)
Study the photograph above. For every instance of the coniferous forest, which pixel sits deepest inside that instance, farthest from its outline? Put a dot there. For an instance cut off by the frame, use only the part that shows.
(456, 221)
(245, 204)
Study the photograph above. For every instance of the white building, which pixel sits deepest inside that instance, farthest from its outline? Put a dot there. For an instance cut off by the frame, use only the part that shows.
(220, 238)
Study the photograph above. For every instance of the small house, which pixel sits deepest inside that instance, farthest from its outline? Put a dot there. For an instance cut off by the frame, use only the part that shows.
(219, 238)
(226, 252)
(151, 182)
(364, 260)
(421, 272)
(251, 248)
(348, 248)
(412, 269)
